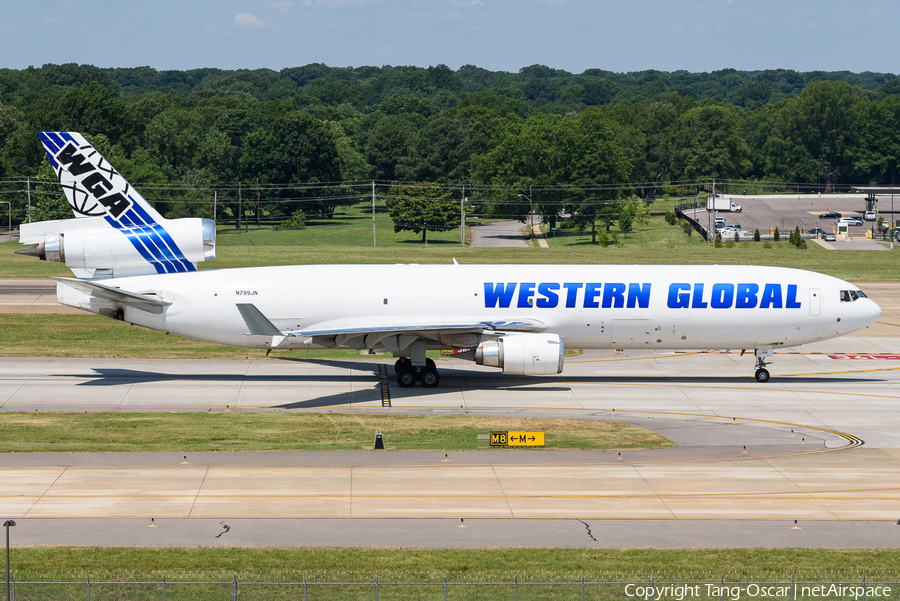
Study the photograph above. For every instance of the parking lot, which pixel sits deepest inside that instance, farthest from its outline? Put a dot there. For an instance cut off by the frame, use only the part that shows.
(765, 213)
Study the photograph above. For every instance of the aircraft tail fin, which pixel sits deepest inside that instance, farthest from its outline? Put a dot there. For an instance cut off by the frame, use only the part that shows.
(116, 232)
(91, 185)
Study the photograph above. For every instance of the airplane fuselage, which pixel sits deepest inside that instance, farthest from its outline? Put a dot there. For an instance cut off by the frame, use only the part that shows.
(590, 306)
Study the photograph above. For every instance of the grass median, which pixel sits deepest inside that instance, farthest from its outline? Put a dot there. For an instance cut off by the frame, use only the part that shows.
(264, 431)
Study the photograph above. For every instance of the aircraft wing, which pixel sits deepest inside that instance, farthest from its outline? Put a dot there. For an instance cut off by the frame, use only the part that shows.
(439, 323)
(151, 304)
(376, 329)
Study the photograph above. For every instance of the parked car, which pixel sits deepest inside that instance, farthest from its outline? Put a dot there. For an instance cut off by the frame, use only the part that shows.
(829, 237)
(817, 231)
(850, 221)
(870, 216)
(830, 215)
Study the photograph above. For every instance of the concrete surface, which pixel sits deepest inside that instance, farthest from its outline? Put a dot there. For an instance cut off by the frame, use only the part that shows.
(837, 474)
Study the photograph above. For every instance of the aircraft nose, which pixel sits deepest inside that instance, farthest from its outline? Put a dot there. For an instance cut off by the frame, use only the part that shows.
(872, 312)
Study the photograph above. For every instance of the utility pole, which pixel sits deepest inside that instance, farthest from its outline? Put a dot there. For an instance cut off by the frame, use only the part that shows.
(257, 203)
(215, 203)
(714, 212)
(240, 208)
(374, 241)
(28, 182)
(7, 524)
(531, 214)
(462, 217)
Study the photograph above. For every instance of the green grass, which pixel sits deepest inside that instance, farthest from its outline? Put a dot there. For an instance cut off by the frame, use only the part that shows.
(362, 564)
(347, 238)
(22, 432)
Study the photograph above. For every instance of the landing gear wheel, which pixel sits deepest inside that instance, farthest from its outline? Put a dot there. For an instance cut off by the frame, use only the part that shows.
(430, 377)
(429, 364)
(407, 378)
(401, 363)
(762, 375)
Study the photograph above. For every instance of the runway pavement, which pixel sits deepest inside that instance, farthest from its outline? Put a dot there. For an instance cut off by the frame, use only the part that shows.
(837, 474)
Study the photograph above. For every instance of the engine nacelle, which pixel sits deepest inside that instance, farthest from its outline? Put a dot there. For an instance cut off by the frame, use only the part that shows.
(524, 354)
(91, 244)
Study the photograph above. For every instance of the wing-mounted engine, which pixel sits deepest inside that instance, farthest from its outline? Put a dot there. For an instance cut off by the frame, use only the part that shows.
(93, 249)
(523, 354)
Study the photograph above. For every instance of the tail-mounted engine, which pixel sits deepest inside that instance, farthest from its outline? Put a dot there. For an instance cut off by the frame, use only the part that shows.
(523, 354)
(94, 249)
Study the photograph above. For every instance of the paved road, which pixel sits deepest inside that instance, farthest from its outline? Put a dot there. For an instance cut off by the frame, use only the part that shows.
(500, 234)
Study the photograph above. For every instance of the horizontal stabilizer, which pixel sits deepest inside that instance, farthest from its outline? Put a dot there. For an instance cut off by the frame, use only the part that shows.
(151, 304)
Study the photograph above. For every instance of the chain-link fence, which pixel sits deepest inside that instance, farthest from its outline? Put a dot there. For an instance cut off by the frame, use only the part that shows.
(318, 588)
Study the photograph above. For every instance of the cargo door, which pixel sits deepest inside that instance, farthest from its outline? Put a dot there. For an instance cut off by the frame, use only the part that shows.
(631, 333)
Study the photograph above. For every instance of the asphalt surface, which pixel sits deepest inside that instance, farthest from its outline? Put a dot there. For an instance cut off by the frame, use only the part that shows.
(499, 234)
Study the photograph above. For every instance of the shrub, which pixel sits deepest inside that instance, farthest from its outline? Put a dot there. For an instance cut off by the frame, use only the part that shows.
(768, 244)
(756, 235)
(777, 236)
(297, 221)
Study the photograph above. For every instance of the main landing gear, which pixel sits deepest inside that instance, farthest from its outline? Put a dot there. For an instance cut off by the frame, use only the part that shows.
(408, 375)
(762, 374)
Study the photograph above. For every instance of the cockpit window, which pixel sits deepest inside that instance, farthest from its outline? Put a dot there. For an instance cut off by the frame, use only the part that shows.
(848, 296)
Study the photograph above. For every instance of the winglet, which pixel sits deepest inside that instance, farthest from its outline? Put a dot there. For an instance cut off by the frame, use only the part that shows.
(259, 324)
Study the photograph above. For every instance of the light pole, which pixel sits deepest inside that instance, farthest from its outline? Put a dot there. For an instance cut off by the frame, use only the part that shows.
(8, 524)
(530, 213)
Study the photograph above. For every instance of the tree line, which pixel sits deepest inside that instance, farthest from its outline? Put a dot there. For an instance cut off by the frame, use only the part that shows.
(314, 138)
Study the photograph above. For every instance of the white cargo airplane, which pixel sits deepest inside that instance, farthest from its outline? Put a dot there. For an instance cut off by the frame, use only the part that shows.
(135, 266)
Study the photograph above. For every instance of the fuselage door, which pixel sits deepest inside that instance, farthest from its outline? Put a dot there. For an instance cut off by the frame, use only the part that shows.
(815, 302)
(631, 333)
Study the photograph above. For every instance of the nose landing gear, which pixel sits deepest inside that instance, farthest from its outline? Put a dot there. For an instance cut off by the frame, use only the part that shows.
(762, 374)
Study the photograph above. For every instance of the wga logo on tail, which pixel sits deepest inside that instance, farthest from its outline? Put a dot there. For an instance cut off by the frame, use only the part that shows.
(87, 179)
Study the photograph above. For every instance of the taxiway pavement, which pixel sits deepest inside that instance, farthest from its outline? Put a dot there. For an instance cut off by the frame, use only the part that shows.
(822, 440)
